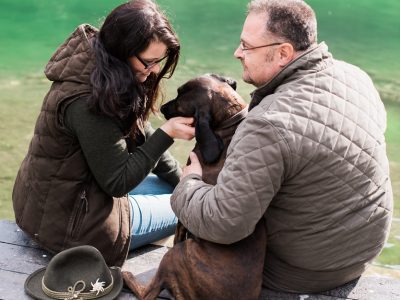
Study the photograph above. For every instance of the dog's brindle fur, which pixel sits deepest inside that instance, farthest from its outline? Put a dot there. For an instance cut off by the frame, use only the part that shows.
(195, 268)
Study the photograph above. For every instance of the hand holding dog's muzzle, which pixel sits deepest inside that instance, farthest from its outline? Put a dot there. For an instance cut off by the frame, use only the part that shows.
(179, 128)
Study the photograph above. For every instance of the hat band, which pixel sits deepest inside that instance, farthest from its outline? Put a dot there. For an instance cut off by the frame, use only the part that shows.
(76, 294)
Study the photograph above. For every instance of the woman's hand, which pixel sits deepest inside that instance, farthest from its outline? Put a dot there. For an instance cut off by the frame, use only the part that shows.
(179, 128)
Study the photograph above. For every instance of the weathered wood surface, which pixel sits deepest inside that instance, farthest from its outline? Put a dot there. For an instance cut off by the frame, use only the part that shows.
(19, 257)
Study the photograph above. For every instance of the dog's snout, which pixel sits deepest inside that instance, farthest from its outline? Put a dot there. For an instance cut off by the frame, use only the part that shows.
(163, 109)
(168, 109)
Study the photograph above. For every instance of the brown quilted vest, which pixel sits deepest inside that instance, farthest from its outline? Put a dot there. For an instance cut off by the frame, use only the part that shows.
(56, 200)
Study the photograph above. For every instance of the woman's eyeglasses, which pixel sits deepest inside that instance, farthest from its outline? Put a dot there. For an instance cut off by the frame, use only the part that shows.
(150, 64)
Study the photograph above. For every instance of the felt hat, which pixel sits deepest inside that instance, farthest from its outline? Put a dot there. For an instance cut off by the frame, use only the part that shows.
(77, 273)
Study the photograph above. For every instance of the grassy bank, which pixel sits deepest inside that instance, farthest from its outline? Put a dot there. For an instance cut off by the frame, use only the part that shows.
(20, 102)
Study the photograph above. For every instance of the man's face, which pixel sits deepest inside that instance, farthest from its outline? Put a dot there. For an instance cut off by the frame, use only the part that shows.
(260, 64)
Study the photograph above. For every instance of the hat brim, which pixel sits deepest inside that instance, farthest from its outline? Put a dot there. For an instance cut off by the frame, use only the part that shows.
(33, 285)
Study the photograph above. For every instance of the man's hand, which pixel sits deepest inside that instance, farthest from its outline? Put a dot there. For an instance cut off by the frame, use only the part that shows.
(194, 167)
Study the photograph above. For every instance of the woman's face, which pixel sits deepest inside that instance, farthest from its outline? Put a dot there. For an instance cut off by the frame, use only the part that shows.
(149, 61)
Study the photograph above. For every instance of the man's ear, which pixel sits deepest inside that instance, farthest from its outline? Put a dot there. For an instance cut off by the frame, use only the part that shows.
(286, 54)
(210, 145)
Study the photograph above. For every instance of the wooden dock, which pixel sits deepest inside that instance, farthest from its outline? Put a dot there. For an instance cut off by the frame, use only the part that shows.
(19, 257)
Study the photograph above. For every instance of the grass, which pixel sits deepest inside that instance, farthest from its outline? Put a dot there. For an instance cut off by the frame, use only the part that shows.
(20, 102)
(390, 256)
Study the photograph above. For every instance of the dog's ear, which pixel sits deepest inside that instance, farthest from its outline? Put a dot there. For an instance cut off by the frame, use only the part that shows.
(228, 80)
(210, 144)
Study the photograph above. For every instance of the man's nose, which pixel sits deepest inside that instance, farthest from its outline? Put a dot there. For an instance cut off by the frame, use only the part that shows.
(238, 53)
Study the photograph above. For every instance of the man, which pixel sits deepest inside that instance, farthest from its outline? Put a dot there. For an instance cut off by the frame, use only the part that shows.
(310, 158)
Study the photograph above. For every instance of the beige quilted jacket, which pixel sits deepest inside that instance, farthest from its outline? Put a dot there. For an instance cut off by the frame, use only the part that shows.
(311, 159)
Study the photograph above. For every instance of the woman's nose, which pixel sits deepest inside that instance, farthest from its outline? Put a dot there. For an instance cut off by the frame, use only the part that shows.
(155, 68)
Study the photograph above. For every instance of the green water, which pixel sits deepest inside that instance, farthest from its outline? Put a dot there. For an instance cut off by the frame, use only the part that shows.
(364, 32)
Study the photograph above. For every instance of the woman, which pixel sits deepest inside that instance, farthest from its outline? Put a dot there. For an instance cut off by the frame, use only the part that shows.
(92, 143)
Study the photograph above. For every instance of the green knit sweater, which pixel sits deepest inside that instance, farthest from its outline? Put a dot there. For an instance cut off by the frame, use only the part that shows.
(115, 169)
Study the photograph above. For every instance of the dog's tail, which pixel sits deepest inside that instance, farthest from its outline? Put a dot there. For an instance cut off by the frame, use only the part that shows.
(133, 284)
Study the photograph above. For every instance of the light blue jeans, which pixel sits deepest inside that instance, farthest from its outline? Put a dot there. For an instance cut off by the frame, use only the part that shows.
(152, 216)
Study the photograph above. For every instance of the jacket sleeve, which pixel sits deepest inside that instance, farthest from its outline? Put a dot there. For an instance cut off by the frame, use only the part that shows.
(167, 167)
(251, 176)
(116, 170)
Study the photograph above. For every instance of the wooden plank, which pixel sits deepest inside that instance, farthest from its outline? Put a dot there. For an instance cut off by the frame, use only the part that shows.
(366, 288)
(10, 233)
(273, 295)
(20, 257)
(144, 259)
(370, 288)
(12, 285)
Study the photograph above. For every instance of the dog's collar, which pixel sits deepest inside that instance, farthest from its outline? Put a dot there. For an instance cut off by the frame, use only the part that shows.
(235, 118)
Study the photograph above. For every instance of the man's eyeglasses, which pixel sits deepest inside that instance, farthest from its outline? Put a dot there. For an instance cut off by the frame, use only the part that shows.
(150, 64)
(244, 48)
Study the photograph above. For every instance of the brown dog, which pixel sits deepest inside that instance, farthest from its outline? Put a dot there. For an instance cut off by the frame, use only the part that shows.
(195, 268)
(218, 109)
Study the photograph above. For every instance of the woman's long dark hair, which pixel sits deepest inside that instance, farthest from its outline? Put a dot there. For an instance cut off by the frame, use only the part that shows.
(128, 30)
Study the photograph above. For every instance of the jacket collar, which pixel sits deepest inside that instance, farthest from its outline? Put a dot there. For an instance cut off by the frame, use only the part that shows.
(312, 58)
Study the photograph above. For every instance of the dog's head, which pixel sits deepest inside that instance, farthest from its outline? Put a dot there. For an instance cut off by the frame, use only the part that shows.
(210, 99)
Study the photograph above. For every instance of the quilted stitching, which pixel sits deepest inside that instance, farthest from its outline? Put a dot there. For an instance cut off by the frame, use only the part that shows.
(313, 152)
(71, 60)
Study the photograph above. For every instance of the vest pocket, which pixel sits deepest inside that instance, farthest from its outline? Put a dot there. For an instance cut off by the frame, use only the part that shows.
(78, 214)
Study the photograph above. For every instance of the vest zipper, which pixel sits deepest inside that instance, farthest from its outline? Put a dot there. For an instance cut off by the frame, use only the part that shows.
(80, 210)
(85, 201)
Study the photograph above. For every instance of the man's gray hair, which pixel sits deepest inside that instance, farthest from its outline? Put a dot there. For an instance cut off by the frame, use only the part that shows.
(292, 20)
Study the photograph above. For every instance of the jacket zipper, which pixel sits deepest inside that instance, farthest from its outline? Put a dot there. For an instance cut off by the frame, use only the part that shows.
(85, 201)
(80, 210)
